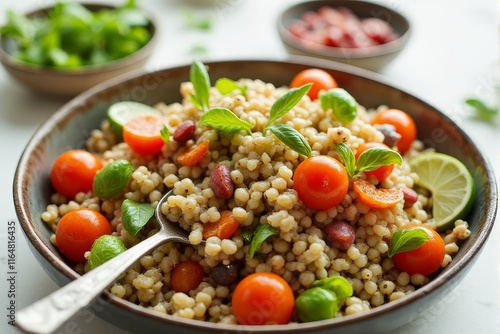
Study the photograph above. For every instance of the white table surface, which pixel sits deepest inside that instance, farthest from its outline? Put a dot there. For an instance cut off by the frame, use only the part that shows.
(453, 54)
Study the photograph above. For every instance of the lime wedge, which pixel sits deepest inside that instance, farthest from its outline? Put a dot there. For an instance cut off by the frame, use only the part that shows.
(450, 183)
(120, 113)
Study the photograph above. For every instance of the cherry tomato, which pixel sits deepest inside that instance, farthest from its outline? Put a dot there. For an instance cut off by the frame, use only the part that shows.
(424, 260)
(77, 230)
(321, 80)
(74, 171)
(186, 276)
(143, 134)
(382, 172)
(403, 123)
(374, 197)
(263, 298)
(321, 182)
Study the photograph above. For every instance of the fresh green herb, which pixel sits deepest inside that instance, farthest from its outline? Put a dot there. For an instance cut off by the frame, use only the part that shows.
(369, 160)
(285, 103)
(227, 86)
(262, 232)
(291, 138)
(135, 215)
(198, 75)
(404, 240)
(194, 22)
(247, 235)
(342, 104)
(225, 120)
(198, 49)
(71, 36)
(482, 110)
(104, 249)
(165, 134)
(112, 179)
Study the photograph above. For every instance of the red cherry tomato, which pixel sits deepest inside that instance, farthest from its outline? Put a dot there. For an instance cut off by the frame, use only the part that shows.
(186, 276)
(424, 260)
(77, 230)
(321, 80)
(382, 172)
(321, 182)
(403, 123)
(74, 171)
(263, 298)
(143, 134)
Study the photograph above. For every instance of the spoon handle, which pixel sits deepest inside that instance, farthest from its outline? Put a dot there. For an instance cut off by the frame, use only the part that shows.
(49, 313)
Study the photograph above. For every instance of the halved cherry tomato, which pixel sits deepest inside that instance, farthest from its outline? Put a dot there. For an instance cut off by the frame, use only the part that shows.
(186, 276)
(263, 298)
(77, 230)
(194, 155)
(74, 172)
(382, 172)
(143, 134)
(403, 123)
(321, 80)
(425, 259)
(321, 182)
(224, 228)
(376, 198)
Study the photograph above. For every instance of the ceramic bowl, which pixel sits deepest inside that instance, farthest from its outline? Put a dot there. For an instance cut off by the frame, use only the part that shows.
(372, 57)
(69, 83)
(71, 125)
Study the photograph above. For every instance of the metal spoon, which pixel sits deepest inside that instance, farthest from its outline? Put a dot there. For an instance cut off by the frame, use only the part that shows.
(50, 312)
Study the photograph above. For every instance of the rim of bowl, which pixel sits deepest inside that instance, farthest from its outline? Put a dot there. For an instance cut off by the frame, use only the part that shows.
(21, 204)
(8, 60)
(335, 52)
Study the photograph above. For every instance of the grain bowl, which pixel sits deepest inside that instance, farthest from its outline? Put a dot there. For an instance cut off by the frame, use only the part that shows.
(78, 119)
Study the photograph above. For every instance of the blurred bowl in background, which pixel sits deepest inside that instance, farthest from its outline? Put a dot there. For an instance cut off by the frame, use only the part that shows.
(358, 33)
(71, 82)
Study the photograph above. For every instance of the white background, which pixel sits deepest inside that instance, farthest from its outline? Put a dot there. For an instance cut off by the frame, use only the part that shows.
(452, 54)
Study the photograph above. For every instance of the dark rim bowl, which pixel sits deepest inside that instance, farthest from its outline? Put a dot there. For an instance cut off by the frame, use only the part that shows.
(70, 82)
(373, 57)
(71, 125)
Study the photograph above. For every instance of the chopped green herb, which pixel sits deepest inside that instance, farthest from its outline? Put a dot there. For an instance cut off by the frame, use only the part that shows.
(165, 134)
(135, 215)
(406, 240)
(112, 179)
(292, 138)
(262, 232)
(342, 104)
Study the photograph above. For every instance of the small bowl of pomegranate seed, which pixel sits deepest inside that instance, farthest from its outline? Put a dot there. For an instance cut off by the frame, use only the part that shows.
(358, 33)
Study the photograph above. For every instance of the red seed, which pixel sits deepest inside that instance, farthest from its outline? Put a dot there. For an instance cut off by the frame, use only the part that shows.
(340, 235)
(221, 182)
(410, 197)
(184, 132)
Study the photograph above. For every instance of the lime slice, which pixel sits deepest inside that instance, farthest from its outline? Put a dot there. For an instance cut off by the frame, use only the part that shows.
(120, 113)
(450, 183)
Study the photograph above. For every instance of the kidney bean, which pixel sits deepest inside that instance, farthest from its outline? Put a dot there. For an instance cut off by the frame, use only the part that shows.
(410, 197)
(221, 182)
(340, 235)
(224, 274)
(184, 132)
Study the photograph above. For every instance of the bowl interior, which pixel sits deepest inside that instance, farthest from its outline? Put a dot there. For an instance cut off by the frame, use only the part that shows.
(70, 126)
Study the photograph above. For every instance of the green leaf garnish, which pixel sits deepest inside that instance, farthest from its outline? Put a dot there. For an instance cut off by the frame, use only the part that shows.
(194, 22)
(227, 86)
(104, 249)
(482, 111)
(247, 235)
(135, 215)
(376, 157)
(342, 104)
(262, 232)
(338, 284)
(404, 240)
(291, 138)
(225, 120)
(201, 83)
(112, 179)
(285, 103)
(348, 158)
(165, 134)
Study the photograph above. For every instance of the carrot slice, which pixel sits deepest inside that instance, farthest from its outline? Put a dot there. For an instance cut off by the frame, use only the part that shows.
(194, 155)
(143, 134)
(376, 198)
(224, 228)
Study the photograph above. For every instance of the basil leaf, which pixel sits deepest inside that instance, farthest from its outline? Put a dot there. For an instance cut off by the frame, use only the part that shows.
(135, 215)
(165, 134)
(292, 138)
(407, 240)
(286, 102)
(482, 111)
(347, 157)
(112, 179)
(227, 86)
(247, 235)
(375, 157)
(225, 120)
(262, 232)
(201, 83)
(104, 249)
(343, 105)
